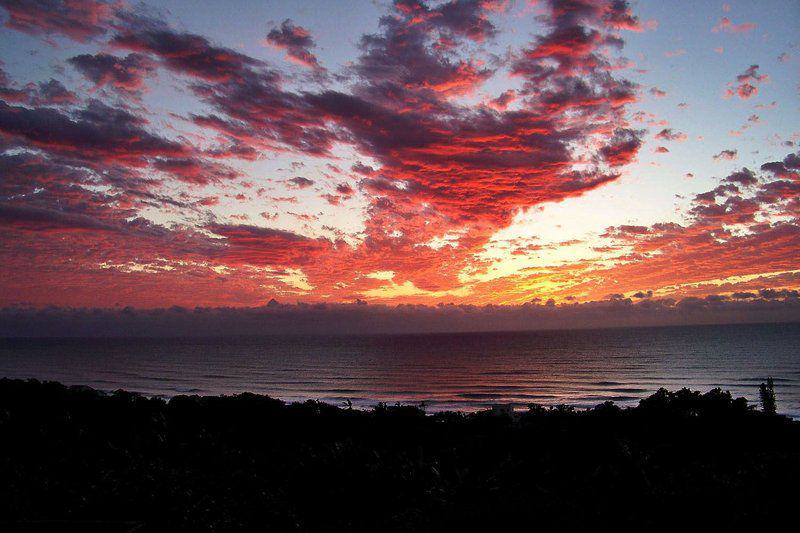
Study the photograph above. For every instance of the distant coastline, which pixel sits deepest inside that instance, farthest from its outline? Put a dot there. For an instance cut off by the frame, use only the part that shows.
(349, 319)
(201, 335)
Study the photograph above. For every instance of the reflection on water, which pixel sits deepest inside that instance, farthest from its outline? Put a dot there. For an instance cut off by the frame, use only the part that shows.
(446, 371)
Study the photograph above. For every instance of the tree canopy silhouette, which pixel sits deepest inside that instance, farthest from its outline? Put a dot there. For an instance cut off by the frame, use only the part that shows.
(249, 462)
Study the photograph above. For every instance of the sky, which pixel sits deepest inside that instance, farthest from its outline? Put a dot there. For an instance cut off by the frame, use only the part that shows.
(468, 152)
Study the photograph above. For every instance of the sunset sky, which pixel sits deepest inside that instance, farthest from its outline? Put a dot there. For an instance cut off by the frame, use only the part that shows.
(470, 152)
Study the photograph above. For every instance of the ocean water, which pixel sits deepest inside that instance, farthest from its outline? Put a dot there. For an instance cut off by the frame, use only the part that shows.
(465, 371)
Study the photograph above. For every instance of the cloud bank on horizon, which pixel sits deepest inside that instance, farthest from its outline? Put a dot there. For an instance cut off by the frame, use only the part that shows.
(465, 151)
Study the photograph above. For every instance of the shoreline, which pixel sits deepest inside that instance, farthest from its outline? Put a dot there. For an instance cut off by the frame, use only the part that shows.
(429, 407)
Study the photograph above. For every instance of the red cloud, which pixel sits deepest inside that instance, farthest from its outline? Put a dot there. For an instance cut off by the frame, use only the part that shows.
(675, 53)
(728, 155)
(184, 53)
(301, 182)
(443, 169)
(194, 170)
(788, 169)
(344, 189)
(725, 24)
(209, 201)
(459, 18)
(51, 92)
(45, 220)
(705, 249)
(469, 167)
(746, 85)
(94, 131)
(124, 74)
(255, 245)
(502, 102)
(80, 20)
(296, 41)
(668, 134)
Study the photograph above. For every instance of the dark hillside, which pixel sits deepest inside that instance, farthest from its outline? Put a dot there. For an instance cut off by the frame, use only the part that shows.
(248, 462)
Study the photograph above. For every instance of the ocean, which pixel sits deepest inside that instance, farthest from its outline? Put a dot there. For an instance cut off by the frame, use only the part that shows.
(464, 371)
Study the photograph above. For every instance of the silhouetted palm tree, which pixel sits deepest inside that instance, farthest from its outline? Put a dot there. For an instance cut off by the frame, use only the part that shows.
(767, 393)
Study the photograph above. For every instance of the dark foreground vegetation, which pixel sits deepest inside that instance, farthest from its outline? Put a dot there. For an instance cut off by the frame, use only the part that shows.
(74, 459)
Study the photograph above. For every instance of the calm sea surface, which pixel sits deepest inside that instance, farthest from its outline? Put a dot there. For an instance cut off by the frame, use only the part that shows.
(446, 371)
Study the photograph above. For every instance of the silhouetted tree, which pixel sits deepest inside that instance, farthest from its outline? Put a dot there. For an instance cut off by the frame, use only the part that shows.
(607, 408)
(535, 408)
(767, 393)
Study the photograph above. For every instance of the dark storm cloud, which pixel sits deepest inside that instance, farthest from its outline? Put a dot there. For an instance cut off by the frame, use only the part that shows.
(276, 318)
(80, 20)
(744, 177)
(401, 59)
(123, 73)
(23, 172)
(96, 130)
(39, 219)
(184, 53)
(53, 92)
(788, 168)
(466, 18)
